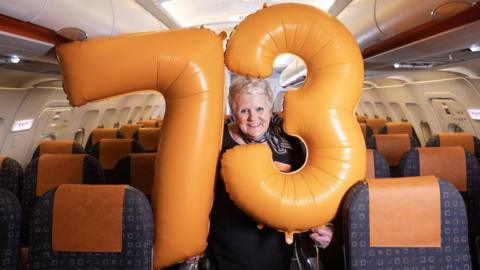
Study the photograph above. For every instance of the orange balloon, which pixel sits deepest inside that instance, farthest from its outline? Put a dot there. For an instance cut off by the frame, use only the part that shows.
(321, 113)
(186, 66)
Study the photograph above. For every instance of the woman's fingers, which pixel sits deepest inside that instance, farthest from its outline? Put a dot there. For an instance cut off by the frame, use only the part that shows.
(322, 241)
(324, 230)
(193, 259)
(322, 235)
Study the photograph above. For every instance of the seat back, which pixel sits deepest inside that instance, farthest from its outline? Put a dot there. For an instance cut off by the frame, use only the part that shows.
(392, 147)
(150, 123)
(455, 165)
(11, 175)
(129, 130)
(51, 170)
(102, 133)
(113, 229)
(361, 119)
(465, 140)
(377, 165)
(375, 124)
(148, 138)
(10, 213)
(406, 223)
(366, 130)
(399, 128)
(58, 147)
(137, 170)
(110, 151)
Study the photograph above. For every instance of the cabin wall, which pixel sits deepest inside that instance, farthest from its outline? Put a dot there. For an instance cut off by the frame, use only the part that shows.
(54, 118)
(413, 102)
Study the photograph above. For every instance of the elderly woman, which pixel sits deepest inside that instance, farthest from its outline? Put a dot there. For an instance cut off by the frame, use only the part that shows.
(235, 242)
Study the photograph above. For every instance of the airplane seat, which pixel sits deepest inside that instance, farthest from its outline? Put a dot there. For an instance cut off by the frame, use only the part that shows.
(136, 170)
(129, 130)
(10, 213)
(11, 175)
(466, 140)
(150, 123)
(228, 119)
(457, 166)
(377, 165)
(366, 130)
(375, 124)
(392, 147)
(399, 128)
(51, 170)
(333, 256)
(148, 138)
(102, 133)
(113, 229)
(406, 223)
(110, 151)
(361, 119)
(58, 147)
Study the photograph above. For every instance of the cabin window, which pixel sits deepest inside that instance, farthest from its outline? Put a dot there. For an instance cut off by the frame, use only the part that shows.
(116, 125)
(79, 135)
(135, 116)
(155, 111)
(123, 115)
(426, 131)
(369, 110)
(48, 137)
(108, 118)
(382, 110)
(398, 113)
(455, 128)
(146, 112)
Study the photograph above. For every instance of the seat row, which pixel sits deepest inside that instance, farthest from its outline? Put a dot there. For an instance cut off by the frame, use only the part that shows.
(50, 170)
(80, 227)
(389, 223)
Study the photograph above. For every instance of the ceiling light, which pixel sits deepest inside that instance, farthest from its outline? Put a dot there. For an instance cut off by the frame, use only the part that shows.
(413, 65)
(14, 59)
(475, 48)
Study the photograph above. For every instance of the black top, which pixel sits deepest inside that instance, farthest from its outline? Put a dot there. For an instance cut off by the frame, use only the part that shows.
(234, 241)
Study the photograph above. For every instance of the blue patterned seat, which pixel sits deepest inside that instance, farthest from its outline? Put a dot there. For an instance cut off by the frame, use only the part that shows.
(148, 137)
(333, 256)
(50, 170)
(136, 170)
(446, 161)
(58, 147)
(366, 130)
(9, 230)
(377, 165)
(392, 147)
(453, 252)
(467, 141)
(375, 124)
(11, 175)
(100, 134)
(110, 151)
(399, 128)
(135, 234)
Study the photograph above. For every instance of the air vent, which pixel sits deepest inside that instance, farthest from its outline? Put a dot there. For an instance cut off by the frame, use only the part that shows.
(72, 33)
(448, 10)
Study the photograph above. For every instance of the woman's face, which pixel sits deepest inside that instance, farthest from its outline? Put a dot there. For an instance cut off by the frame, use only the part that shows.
(252, 114)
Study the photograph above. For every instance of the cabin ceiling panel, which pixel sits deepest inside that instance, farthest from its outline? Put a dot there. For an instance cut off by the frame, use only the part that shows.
(221, 15)
(454, 42)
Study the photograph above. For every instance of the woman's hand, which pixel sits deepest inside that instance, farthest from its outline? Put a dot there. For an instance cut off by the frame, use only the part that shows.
(322, 235)
(193, 259)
